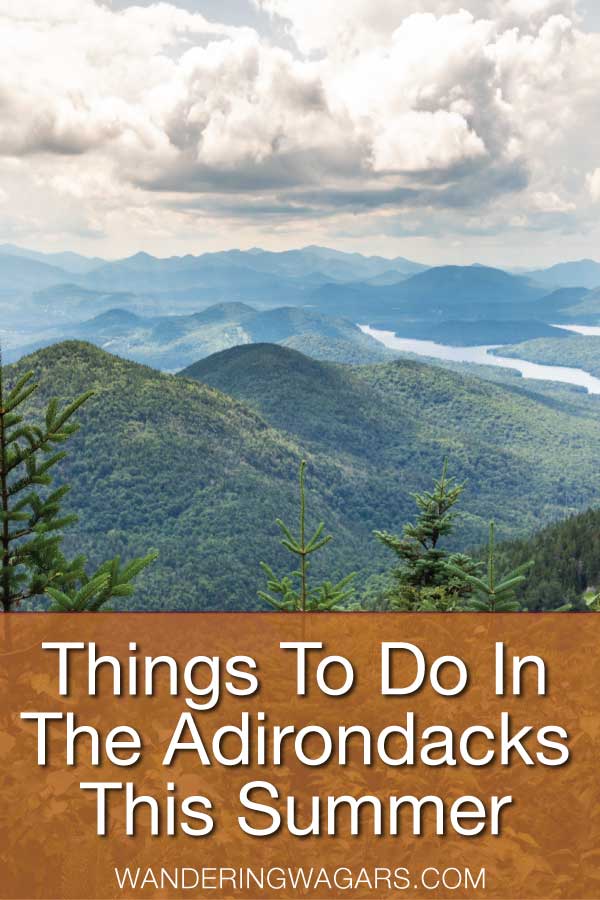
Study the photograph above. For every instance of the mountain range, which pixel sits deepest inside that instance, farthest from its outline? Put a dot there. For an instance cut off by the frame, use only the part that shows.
(172, 342)
(200, 465)
(273, 368)
(583, 273)
(151, 310)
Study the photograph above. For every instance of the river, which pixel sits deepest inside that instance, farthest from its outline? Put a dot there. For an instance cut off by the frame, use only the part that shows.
(482, 356)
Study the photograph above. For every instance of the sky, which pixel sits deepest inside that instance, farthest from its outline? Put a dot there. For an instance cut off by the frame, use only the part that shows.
(444, 132)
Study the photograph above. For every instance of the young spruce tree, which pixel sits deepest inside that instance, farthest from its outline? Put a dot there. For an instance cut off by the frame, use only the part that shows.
(493, 594)
(428, 578)
(293, 592)
(31, 520)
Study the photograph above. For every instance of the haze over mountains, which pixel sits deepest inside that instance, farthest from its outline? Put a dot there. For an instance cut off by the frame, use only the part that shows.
(172, 342)
(126, 305)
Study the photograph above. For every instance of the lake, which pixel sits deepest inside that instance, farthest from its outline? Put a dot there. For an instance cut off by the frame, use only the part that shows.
(587, 330)
(482, 356)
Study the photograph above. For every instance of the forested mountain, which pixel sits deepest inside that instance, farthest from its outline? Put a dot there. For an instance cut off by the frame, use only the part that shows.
(576, 351)
(403, 413)
(169, 462)
(172, 342)
(567, 561)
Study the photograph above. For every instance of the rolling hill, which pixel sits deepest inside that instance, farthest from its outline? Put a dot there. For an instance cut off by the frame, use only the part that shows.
(405, 413)
(170, 462)
(575, 351)
(171, 342)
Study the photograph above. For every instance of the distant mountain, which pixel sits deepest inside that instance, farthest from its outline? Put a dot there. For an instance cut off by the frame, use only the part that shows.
(172, 342)
(583, 273)
(49, 297)
(246, 273)
(469, 291)
(561, 301)
(266, 278)
(471, 334)
(332, 264)
(143, 274)
(386, 278)
(21, 274)
(68, 261)
(71, 301)
(581, 307)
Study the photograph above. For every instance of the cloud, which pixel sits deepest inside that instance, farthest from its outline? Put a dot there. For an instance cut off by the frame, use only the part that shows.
(420, 139)
(593, 183)
(319, 26)
(550, 202)
(155, 114)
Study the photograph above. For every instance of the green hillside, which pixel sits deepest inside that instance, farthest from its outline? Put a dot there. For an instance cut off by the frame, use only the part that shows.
(567, 561)
(528, 457)
(169, 462)
(577, 351)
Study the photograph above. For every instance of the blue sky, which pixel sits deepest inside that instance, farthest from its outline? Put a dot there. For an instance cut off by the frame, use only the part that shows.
(404, 127)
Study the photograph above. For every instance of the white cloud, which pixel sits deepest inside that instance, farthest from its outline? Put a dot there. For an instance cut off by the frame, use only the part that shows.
(550, 202)
(593, 182)
(156, 114)
(419, 140)
(323, 25)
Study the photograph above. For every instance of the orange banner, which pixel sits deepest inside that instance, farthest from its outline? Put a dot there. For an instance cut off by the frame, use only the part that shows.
(376, 755)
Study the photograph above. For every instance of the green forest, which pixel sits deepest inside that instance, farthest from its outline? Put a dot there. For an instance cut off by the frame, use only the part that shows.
(576, 351)
(178, 483)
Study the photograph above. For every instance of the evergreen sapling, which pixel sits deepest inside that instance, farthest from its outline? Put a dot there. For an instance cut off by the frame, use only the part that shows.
(491, 594)
(293, 592)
